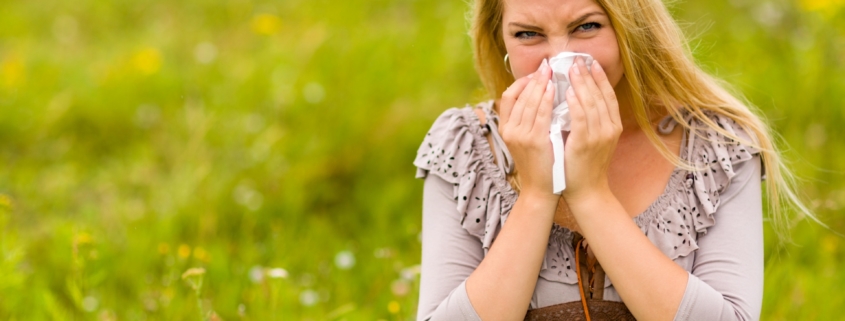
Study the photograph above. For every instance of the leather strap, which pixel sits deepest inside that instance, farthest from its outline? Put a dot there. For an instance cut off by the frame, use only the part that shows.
(581, 283)
(592, 306)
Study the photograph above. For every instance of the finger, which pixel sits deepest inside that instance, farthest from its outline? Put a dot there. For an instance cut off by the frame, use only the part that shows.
(607, 92)
(544, 111)
(601, 118)
(509, 98)
(592, 88)
(578, 74)
(519, 105)
(578, 126)
(532, 102)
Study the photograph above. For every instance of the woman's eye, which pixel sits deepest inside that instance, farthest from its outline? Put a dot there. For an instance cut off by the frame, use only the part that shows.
(525, 34)
(590, 26)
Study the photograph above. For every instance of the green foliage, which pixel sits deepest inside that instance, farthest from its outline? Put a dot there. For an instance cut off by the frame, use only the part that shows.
(270, 143)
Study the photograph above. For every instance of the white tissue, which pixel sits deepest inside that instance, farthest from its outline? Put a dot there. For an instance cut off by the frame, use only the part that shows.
(560, 65)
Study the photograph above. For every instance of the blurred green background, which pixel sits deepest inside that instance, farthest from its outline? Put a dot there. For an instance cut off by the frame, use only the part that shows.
(270, 143)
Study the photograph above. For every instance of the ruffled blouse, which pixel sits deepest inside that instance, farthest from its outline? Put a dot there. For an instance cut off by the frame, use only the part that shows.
(456, 150)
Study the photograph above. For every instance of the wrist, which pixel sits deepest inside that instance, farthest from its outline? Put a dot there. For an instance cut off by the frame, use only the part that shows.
(584, 200)
(600, 187)
(535, 197)
(541, 204)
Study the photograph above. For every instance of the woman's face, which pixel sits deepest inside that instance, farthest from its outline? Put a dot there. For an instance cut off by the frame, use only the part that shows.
(538, 29)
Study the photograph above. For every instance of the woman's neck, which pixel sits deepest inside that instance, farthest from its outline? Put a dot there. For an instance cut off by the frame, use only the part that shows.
(626, 106)
(626, 110)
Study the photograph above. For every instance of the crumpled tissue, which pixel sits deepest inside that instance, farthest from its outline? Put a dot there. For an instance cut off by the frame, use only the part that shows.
(561, 120)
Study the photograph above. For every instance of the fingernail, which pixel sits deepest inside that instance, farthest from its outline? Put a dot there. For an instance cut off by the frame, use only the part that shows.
(549, 85)
(545, 65)
(570, 91)
(596, 65)
(530, 76)
(577, 69)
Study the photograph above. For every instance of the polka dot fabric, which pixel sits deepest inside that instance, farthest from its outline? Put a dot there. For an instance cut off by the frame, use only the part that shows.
(456, 150)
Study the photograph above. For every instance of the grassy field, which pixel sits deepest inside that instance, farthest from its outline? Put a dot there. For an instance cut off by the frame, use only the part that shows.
(270, 144)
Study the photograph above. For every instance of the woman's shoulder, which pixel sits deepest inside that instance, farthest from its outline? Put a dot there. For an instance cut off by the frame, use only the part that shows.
(451, 144)
(716, 140)
(456, 150)
(693, 198)
(717, 146)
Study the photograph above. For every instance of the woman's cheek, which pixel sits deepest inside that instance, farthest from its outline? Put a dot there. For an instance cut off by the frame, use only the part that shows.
(525, 61)
(614, 74)
(611, 64)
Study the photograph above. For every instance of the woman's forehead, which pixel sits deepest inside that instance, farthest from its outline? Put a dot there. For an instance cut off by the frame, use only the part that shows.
(544, 11)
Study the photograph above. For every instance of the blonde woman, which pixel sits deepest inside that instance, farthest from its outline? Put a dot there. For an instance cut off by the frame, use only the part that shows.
(662, 209)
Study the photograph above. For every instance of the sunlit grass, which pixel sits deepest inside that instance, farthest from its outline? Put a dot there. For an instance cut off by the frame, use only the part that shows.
(269, 144)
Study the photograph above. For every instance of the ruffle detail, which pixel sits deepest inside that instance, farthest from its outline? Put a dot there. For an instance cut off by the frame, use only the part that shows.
(667, 222)
(691, 198)
(559, 262)
(456, 150)
(717, 156)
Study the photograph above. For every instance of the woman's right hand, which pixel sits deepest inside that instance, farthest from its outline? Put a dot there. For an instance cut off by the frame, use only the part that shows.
(526, 113)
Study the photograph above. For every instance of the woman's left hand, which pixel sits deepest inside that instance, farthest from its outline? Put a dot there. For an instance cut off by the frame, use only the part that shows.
(596, 127)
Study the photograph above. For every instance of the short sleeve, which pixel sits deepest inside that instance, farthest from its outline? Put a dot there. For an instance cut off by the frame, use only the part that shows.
(456, 151)
(726, 281)
(465, 203)
(692, 205)
(449, 256)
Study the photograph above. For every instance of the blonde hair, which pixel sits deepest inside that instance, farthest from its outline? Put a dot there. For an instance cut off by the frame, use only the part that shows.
(660, 73)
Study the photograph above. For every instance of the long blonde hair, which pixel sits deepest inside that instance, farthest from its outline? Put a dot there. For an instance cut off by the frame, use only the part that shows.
(661, 74)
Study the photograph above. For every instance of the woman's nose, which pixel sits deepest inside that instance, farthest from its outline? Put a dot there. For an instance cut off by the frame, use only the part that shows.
(558, 45)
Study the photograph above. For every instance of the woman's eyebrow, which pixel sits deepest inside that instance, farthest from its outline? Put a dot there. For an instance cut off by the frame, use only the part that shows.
(525, 26)
(582, 18)
(570, 25)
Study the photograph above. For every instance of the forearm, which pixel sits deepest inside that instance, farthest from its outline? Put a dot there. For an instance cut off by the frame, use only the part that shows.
(649, 283)
(502, 285)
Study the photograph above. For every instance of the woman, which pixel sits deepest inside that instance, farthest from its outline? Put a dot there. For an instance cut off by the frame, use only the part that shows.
(663, 169)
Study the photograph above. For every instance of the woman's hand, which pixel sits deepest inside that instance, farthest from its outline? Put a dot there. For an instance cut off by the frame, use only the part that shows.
(595, 131)
(526, 113)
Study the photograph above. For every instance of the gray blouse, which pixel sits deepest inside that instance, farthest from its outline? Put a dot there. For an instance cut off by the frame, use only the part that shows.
(466, 200)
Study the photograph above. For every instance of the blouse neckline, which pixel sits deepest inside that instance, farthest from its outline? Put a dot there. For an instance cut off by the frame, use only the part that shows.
(667, 124)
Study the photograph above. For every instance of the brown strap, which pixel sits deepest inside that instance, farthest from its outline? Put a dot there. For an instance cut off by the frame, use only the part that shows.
(598, 283)
(580, 283)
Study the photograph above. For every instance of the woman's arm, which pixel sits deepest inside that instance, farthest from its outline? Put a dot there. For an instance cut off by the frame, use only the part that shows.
(727, 276)
(649, 282)
(502, 285)
(500, 288)
(449, 255)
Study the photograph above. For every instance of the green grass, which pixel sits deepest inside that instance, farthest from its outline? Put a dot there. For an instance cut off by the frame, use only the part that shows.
(139, 139)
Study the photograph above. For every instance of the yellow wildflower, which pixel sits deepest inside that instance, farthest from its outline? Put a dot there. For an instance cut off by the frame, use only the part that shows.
(12, 71)
(266, 24)
(5, 201)
(829, 244)
(83, 238)
(184, 251)
(147, 61)
(822, 5)
(393, 307)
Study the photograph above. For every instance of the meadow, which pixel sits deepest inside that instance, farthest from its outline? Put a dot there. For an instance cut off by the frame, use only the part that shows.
(251, 160)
